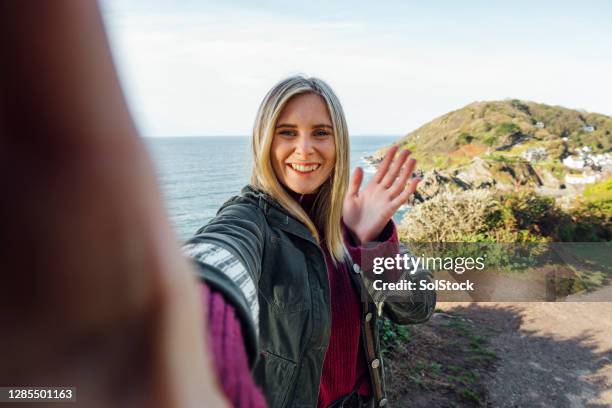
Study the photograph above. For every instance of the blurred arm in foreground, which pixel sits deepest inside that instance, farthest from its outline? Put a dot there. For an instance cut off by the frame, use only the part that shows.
(95, 292)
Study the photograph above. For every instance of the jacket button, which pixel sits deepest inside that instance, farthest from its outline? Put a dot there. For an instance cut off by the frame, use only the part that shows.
(368, 317)
(375, 363)
(382, 402)
(356, 268)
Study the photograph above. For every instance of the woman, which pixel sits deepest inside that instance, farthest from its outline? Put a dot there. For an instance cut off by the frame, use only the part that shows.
(290, 254)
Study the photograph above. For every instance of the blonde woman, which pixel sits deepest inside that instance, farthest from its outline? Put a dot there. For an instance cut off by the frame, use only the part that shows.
(284, 263)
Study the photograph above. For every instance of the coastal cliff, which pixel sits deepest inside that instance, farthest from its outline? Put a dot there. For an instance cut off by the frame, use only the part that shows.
(510, 144)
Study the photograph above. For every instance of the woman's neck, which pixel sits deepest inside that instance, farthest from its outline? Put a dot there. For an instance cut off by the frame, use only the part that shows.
(305, 200)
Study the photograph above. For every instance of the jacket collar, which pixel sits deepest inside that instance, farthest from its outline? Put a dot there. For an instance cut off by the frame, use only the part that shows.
(276, 213)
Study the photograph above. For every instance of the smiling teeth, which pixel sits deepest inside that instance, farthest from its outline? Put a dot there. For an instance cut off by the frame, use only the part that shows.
(301, 168)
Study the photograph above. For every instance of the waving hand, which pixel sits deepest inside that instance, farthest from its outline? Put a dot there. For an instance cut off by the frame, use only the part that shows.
(367, 211)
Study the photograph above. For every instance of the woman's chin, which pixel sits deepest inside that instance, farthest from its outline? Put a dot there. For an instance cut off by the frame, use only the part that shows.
(303, 189)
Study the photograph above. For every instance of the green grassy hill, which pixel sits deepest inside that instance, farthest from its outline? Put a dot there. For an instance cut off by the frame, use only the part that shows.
(505, 128)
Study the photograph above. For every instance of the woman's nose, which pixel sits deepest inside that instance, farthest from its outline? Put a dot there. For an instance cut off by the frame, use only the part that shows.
(304, 145)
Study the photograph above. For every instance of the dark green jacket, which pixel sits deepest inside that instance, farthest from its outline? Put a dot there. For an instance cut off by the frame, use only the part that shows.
(269, 266)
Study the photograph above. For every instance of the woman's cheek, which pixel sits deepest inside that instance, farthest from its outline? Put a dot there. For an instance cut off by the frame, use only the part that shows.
(329, 149)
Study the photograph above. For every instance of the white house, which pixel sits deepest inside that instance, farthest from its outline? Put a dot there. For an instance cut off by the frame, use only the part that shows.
(536, 154)
(574, 162)
(584, 179)
(603, 161)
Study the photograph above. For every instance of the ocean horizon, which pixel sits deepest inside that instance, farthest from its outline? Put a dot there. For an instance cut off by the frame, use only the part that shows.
(197, 174)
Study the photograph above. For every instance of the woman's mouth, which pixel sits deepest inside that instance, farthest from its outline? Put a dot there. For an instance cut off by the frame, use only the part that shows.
(304, 168)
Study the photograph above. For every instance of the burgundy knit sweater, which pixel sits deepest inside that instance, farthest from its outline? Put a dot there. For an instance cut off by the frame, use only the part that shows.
(228, 352)
(344, 362)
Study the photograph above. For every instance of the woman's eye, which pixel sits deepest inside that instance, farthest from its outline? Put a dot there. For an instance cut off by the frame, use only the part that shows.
(321, 133)
(287, 133)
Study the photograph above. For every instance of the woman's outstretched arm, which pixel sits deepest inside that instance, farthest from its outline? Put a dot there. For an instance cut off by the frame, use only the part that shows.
(228, 254)
(96, 293)
(229, 354)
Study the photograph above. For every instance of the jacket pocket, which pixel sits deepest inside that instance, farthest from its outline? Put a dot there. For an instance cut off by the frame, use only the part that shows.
(274, 374)
(284, 278)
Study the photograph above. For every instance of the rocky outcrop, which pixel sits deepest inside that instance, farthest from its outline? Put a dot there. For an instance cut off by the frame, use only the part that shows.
(479, 174)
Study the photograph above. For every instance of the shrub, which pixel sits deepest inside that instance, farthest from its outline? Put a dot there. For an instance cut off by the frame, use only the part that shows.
(599, 195)
(507, 128)
(590, 220)
(464, 138)
(482, 216)
(586, 222)
(518, 104)
(392, 334)
(490, 140)
(449, 216)
(529, 211)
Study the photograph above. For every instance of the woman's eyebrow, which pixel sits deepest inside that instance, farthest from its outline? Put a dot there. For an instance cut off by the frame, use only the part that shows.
(287, 125)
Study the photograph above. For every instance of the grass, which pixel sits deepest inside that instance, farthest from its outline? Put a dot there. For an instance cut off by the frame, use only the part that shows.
(470, 395)
(557, 168)
(451, 364)
(599, 192)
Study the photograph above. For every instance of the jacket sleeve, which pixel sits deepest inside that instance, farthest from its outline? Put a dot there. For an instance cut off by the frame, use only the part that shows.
(413, 306)
(401, 306)
(228, 252)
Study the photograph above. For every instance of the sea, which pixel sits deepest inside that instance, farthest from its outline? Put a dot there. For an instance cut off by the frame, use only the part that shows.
(198, 174)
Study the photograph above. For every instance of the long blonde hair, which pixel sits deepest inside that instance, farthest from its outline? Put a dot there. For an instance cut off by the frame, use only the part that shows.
(328, 204)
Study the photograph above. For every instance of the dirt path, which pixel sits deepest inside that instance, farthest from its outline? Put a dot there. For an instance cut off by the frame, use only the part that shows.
(549, 354)
(534, 354)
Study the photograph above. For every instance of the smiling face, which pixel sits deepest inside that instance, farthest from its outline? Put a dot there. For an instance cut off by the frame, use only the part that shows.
(303, 151)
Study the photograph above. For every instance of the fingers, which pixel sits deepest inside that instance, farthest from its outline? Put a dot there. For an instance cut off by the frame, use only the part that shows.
(400, 183)
(395, 169)
(356, 180)
(384, 165)
(408, 191)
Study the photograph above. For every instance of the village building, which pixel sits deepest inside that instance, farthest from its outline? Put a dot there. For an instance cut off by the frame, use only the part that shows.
(583, 179)
(535, 154)
(574, 162)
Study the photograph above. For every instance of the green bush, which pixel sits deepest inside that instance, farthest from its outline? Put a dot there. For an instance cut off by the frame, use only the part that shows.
(586, 222)
(529, 211)
(448, 217)
(490, 140)
(464, 138)
(599, 195)
(518, 104)
(526, 217)
(590, 220)
(483, 218)
(507, 128)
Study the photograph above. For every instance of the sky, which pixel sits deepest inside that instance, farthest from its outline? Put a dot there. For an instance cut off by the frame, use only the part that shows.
(201, 68)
